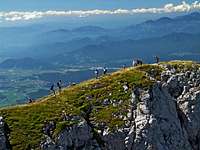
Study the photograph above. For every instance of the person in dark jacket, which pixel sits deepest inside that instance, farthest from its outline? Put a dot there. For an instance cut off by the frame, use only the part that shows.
(29, 100)
(52, 89)
(59, 86)
(105, 70)
(96, 72)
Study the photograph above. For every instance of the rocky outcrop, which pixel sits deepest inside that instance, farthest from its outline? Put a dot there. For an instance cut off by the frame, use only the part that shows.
(189, 110)
(156, 123)
(168, 115)
(78, 136)
(4, 131)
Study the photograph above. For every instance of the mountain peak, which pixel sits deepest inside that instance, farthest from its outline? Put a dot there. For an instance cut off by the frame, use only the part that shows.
(89, 29)
(164, 20)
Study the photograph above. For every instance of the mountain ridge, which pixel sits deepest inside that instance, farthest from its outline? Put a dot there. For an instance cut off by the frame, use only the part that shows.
(149, 99)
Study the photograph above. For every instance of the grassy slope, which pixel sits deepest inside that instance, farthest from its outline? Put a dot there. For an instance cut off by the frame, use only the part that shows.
(26, 121)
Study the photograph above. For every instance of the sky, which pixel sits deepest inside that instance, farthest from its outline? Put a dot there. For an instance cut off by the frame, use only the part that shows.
(29, 5)
(31, 10)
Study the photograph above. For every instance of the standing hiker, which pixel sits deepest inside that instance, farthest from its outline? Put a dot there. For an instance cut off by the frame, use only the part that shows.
(29, 100)
(52, 89)
(134, 63)
(59, 86)
(60, 82)
(124, 66)
(96, 72)
(105, 70)
(157, 59)
(139, 62)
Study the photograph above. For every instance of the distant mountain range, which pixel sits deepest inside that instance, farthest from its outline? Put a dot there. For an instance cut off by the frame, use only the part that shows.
(163, 26)
(175, 45)
(167, 37)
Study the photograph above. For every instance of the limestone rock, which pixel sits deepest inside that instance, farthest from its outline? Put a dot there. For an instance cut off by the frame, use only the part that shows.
(189, 105)
(157, 126)
(75, 137)
(4, 131)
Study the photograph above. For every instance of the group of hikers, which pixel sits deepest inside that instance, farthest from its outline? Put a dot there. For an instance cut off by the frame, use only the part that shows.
(96, 72)
(135, 62)
(59, 85)
(140, 62)
(52, 89)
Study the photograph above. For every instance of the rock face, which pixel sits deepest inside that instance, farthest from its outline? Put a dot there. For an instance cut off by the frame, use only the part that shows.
(76, 137)
(156, 124)
(189, 108)
(167, 116)
(4, 142)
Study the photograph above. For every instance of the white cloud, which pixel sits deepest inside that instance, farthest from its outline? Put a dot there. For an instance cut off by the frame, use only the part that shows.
(168, 8)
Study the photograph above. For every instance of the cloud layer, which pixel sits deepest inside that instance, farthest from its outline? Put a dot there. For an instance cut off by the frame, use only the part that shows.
(168, 8)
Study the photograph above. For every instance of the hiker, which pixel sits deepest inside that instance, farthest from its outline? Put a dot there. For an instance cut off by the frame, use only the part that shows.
(52, 89)
(30, 100)
(134, 63)
(96, 73)
(157, 59)
(105, 70)
(124, 66)
(59, 86)
(139, 62)
(60, 81)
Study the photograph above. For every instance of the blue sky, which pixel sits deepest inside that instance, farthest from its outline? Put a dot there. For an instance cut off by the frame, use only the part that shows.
(84, 11)
(29, 5)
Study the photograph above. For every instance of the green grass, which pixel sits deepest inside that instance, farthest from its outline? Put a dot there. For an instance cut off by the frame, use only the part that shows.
(183, 65)
(26, 121)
